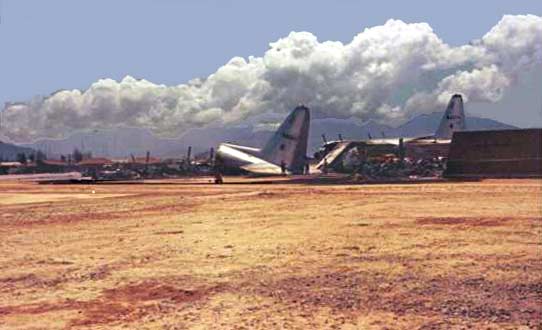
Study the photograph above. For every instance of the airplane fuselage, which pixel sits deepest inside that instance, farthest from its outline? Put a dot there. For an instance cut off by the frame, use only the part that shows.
(284, 153)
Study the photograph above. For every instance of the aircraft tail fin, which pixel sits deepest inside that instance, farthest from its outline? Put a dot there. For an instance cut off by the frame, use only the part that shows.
(288, 145)
(453, 119)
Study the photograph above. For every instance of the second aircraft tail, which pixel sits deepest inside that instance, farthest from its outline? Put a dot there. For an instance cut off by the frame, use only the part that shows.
(453, 119)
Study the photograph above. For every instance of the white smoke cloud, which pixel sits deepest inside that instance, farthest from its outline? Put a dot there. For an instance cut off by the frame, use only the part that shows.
(386, 73)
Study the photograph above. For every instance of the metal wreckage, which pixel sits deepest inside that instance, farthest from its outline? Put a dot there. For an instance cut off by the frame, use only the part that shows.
(285, 152)
(450, 152)
(407, 157)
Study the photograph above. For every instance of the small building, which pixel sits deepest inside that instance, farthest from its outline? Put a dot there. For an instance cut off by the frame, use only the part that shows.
(10, 164)
(93, 166)
(146, 165)
(146, 161)
(93, 162)
(52, 166)
(9, 167)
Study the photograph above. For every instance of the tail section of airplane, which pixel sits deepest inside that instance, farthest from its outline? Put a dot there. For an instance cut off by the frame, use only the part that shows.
(453, 119)
(288, 145)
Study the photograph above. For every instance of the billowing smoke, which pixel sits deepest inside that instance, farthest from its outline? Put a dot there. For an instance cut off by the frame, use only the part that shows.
(386, 73)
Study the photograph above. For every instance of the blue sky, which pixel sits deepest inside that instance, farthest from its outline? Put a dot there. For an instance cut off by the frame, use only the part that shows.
(65, 44)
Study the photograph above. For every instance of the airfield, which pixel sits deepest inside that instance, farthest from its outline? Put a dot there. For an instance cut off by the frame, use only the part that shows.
(185, 254)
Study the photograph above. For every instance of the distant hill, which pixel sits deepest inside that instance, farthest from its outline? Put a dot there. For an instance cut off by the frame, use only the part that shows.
(8, 151)
(120, 142)
(427, 124)
(125, 141)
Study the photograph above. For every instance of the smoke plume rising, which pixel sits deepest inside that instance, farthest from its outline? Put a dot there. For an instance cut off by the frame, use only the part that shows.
(386, 73)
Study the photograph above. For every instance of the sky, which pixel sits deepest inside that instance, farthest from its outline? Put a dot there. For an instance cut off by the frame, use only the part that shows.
(51, 45)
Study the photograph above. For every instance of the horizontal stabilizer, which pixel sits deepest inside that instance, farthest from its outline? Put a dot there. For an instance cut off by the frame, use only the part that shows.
(263, 168)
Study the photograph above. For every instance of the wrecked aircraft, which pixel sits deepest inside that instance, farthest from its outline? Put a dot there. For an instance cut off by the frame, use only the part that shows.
(416, 147)
(284, 153)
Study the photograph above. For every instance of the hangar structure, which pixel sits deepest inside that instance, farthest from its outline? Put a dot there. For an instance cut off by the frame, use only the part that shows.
(498, 153)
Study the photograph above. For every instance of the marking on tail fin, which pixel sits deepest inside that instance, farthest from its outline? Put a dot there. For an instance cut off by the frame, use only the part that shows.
(288, 136)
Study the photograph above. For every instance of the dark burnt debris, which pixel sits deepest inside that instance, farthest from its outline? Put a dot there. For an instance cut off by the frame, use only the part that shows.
(415, 168)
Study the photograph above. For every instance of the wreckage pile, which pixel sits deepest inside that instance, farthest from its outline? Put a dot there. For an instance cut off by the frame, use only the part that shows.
(377, 169)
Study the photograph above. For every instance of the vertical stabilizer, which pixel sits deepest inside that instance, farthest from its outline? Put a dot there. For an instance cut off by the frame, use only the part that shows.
(453, 119)
(289, 144)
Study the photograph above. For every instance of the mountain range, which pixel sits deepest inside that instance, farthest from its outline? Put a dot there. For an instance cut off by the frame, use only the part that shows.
(8, 151)
(123, 142)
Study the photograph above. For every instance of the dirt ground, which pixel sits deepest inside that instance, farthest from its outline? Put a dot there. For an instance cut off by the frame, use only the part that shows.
(183, 255)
